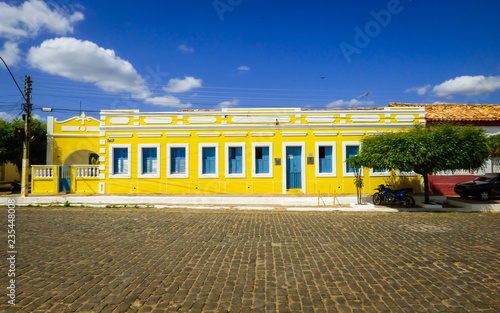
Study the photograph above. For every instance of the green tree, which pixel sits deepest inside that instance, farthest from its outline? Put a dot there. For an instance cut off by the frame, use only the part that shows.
(11, 150)
(355, 162)
(427, 150)
(494, 146)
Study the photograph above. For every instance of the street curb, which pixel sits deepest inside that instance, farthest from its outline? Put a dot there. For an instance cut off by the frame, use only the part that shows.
(286, 203)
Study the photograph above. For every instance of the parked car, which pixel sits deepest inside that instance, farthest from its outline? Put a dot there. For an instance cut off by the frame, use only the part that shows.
(482, 187)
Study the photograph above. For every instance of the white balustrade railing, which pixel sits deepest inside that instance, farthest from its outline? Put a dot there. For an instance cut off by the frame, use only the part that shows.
(40, 171)
(86, 171)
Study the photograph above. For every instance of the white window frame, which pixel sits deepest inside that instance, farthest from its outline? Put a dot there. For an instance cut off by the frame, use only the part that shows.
(140, 173)
(380, 174)
(169, 167)
(344, 164)
(406, 174)
(262, 175)
(112, 163)
(243, 160)
(334, 158)
(200, 160)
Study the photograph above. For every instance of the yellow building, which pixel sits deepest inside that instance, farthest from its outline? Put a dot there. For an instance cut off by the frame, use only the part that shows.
(228, 151)
(9, 173)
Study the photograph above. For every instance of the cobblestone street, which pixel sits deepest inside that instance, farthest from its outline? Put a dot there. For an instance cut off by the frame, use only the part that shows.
(159, 260)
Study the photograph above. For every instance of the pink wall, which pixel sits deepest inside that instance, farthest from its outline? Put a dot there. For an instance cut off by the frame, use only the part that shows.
(443, 184)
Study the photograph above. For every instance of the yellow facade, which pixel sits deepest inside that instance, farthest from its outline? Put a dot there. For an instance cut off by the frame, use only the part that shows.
(71, 141)
(231, 151)
(9, 173)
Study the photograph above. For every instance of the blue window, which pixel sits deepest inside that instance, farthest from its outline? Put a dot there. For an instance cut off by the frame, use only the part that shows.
(235, 160)
(120, 161)
(178, 160)
(149, 161)
(261, 160)
(325, 159)
(349, 152)
(208, 160)
(380, 170)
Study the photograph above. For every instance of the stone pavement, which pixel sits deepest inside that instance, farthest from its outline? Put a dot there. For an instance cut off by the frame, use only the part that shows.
(166, 260)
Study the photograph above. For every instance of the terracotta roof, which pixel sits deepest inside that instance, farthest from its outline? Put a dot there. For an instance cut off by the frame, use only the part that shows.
(457, 112)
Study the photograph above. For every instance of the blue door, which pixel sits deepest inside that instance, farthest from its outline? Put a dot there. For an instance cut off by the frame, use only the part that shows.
(64, 178)
(293, 168)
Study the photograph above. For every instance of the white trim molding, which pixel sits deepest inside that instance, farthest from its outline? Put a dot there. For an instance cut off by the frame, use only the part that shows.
(140, 169)
(243, 160)
(332, 144)
(112, 147)
(169, 164)
(177, 135)
(201, 146)
(294, 134)
(344, 164)
(271, 159)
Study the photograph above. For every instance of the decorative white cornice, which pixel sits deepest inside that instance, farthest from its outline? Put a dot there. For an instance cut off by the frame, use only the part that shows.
(208, 134)
(320, 119)
(119, 120)
(365, 119)
(261, 119)
(266, 134)
(242, 134)
(325, 133)
(177, 134)
(202, 120)
(294, 134)
(354, 133)
(74, 135)
(405, 118)
(343, 126)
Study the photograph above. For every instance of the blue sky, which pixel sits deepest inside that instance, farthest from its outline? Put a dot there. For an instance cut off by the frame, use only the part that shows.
(172, 55)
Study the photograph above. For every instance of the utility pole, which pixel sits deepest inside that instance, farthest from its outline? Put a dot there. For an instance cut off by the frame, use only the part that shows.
(27, 138)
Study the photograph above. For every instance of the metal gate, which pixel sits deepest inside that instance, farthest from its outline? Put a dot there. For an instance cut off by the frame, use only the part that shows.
(64, 178)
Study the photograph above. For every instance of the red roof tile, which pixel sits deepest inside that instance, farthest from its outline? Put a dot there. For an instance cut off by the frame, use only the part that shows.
(457, 112)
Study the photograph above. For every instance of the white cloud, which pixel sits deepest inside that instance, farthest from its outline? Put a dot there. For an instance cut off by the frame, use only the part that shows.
(351, 103)
(8, 117)
(440, 102)
(227, 104)
(185, 48)
(28, 19)
(178, 85)
(167, 101)
(468, 85)
(419, 90)
(85, 61)
(244, 68)
(10, 53)
(40, 118)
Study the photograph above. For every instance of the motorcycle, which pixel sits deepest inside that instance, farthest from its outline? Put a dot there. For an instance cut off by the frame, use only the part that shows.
(386, 194)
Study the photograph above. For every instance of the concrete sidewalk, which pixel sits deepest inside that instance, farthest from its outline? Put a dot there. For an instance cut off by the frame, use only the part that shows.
(243, 202)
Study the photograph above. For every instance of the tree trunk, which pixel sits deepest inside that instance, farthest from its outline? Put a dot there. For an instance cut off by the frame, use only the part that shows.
(426, 188)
